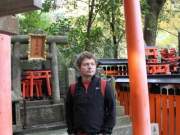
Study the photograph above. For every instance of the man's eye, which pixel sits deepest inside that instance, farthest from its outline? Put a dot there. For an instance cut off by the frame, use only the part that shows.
(88, 64)
(85, 64)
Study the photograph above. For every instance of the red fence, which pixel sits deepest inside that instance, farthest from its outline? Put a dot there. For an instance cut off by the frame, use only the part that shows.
(164, 110)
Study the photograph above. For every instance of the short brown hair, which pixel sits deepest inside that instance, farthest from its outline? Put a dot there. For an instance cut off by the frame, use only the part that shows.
(82, 56)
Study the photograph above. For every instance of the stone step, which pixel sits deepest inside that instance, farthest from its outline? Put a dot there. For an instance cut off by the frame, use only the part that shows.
(123, 120)
(118, 130)
(29, 103)
(127, 129)
(44, 129)
(119, 110)
(122, 130)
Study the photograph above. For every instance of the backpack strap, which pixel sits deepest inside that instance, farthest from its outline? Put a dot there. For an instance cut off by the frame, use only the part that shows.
(103, 87)
(72, 88)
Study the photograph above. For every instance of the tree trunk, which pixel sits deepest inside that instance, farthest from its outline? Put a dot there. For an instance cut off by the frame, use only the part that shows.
(151, 21)
(179, 43)
(89, 25)
(112, 24)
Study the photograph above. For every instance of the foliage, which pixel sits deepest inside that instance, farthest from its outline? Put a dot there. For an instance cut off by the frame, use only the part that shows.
(59, 27)
(77, 37)
(48, 5)
(106, 14)
(144, 7)
(112, 15)
(32, 21)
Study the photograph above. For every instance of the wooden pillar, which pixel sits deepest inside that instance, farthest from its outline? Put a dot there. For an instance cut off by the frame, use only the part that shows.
(55, 73)
(137, 69)
(16, 71)
(5, 86)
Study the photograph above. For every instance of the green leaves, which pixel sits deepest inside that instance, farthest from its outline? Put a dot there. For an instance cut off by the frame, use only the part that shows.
(60, 27)
(32, 21)
(48, 5)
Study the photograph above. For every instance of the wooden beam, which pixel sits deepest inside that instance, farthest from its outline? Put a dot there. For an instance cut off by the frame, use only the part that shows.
(9, 7)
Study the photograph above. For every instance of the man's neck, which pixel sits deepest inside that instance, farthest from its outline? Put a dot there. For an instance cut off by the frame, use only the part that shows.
(86, 78)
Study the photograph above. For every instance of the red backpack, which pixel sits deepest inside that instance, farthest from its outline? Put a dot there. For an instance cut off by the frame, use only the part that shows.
(103, 87)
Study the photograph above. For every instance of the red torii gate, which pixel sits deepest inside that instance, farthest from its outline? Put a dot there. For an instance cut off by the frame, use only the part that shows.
(8, 7)
(137, 72)
(139, 99)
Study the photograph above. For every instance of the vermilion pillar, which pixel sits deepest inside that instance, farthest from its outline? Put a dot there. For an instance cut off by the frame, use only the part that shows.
(137, 69)
(5, 86)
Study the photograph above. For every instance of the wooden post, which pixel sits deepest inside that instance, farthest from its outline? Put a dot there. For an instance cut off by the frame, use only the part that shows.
(8, 7)
(55, 73)
(5, 86)
(139, 100)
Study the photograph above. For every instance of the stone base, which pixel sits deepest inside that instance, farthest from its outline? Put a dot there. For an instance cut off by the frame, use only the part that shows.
(40, 114)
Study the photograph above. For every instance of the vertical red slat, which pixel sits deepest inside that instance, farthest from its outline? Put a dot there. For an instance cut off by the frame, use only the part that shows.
(121, 97)
(152, 107)
(126, 102)
(171, 115)
(118, 96)
(177, 115)
(158, 112)
(164, 115)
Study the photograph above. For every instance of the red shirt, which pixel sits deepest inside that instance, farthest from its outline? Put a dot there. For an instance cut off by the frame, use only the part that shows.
(86, 84)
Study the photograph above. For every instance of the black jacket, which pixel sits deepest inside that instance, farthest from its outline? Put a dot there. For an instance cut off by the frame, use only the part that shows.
(89, 111)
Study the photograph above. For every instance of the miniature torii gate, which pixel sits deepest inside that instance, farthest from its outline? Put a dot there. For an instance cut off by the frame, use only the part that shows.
(8, 7)
(136, 59)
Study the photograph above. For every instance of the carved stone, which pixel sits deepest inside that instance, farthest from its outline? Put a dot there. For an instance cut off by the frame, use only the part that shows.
(9, 25)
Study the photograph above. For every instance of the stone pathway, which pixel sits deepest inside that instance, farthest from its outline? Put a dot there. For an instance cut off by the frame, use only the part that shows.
(50, 132)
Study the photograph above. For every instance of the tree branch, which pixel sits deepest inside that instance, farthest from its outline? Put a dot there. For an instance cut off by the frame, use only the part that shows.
(168, 32)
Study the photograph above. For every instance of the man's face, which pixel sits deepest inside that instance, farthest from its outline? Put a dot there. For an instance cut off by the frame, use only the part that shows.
(88, 67)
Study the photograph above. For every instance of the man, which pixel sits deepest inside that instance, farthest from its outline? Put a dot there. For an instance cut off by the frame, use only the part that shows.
(88, 110)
